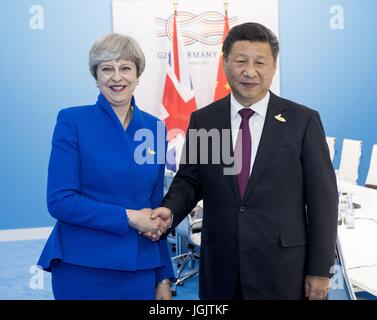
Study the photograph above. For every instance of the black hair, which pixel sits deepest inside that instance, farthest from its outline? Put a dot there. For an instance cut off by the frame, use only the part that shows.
(253, 32)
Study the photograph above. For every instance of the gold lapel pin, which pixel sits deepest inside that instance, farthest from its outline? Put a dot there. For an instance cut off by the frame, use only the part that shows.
(150, 151)
(280, 118)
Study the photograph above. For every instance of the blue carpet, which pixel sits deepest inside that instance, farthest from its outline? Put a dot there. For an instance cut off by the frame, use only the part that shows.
(20, 280)
(18, 277)
(365, 296)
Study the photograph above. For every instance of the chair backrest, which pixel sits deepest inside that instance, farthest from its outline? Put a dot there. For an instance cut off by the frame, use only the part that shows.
(350, 160)
(372, 172)
(331, 144)
(182, 229)
(191, 223)
(195, 232)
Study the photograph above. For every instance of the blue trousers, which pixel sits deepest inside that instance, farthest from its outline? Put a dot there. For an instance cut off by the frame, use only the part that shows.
(73, 282)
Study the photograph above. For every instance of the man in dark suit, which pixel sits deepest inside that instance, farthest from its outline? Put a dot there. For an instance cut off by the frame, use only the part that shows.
(269, 229)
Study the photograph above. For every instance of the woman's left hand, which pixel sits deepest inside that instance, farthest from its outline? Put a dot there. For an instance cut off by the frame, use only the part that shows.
(163, 291)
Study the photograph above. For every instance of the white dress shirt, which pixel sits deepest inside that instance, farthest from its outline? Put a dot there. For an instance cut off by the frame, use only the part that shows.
(256, 123)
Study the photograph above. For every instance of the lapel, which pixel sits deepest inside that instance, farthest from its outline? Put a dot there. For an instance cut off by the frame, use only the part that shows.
(221, 121)
(271, 134)
(114, 127)
(122, 143)
(106, 107)
(136, 120)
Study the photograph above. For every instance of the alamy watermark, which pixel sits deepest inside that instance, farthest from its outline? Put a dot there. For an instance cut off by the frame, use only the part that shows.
(36, 21)
(37, 279)
(337, 17)
(202, 147)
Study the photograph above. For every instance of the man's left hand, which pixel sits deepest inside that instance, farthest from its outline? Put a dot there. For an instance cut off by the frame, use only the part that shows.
(163, 292)
(316, 288)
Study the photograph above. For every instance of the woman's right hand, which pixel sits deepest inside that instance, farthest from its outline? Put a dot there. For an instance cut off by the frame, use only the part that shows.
(141, 220)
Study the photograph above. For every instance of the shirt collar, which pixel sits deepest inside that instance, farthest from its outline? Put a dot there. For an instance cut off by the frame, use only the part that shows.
(136, 119)
(260, 107)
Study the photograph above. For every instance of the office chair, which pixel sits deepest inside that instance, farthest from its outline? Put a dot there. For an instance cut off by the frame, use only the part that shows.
(188, 231)
(331, 144)
(350, 160)
(371, 181)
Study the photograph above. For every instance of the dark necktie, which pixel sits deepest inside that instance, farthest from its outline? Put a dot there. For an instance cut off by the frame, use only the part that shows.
(243, 149)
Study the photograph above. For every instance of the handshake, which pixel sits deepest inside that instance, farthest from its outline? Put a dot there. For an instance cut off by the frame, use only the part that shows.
(150, 223)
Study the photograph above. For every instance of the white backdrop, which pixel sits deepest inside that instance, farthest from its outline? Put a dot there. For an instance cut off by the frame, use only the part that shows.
(201, 24)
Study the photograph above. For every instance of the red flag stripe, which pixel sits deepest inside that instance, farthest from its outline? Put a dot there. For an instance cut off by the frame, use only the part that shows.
(178, 97)
(222, 87)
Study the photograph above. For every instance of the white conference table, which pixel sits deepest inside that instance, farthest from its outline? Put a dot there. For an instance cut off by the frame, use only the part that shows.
(359, 244)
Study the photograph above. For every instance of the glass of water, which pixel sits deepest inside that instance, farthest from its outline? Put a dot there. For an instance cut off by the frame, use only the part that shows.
(350, 213)
(342, 209)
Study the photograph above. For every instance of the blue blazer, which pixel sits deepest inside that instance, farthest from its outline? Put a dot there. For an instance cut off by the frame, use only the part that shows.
(93, 177)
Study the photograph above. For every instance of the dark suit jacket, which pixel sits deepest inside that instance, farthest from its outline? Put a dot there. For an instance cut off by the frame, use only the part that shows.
(285, 226)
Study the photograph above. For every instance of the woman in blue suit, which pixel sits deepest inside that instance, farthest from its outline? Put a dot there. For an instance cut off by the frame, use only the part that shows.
(100, 190)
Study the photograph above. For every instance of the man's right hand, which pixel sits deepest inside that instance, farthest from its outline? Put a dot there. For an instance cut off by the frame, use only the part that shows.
(141, 221)
(163, 214)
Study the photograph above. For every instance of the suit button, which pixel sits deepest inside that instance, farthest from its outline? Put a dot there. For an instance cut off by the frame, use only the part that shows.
(242, 209)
